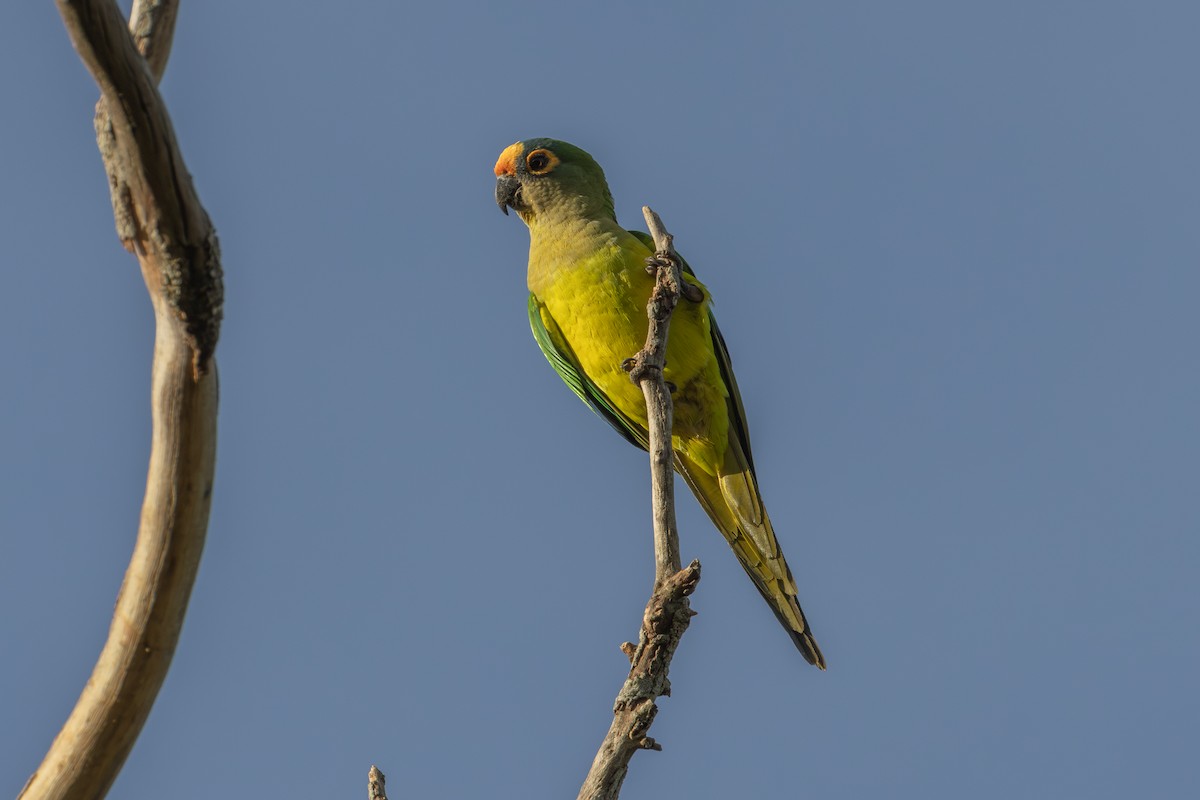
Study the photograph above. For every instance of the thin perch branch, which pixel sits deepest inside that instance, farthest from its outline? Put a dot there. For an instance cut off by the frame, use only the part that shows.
(667, 614)
(160, 218)
(646, 369)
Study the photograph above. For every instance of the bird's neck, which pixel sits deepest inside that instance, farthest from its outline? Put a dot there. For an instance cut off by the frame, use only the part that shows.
(561, 242)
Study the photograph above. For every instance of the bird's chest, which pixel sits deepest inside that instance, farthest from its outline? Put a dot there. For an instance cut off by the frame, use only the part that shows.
(599, 304)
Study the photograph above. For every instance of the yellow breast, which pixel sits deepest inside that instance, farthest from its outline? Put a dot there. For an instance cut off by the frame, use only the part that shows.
(594, 284)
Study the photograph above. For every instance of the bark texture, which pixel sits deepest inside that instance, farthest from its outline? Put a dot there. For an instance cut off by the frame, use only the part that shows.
(158, 217)
(376, 784)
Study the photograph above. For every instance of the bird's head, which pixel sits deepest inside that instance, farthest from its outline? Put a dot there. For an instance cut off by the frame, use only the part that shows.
(545, 177)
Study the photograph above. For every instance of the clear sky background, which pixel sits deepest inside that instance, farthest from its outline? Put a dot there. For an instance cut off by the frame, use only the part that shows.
(956, 257)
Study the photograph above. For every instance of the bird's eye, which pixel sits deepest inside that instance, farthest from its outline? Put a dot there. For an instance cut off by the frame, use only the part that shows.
(540, 162)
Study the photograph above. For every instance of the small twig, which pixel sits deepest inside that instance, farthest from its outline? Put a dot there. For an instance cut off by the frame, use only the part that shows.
(165, 225)
(375, 784)
(667, 614)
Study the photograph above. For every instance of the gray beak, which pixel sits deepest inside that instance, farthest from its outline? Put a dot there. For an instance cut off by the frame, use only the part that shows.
(508, 189)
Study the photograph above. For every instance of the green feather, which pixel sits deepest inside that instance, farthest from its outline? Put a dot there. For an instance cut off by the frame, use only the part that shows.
(568, 369)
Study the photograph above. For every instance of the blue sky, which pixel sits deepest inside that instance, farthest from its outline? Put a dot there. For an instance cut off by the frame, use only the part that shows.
(955, 254)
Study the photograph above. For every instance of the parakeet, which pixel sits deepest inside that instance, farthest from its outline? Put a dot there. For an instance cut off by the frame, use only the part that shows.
(588, 289)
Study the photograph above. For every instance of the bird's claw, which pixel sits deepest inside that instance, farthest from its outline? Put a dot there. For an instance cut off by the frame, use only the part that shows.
(640, 367)
(655, 262)
(689, 291)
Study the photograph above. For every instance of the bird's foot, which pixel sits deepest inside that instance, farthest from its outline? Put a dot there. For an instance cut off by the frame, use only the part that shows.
(687, 290)
(639, 368)
(656, 262)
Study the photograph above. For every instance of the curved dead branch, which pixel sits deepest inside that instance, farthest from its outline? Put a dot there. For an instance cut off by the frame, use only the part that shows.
(159, 217)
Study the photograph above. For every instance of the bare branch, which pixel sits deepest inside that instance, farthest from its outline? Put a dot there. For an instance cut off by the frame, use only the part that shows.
(177, 249)
(152, 23)
(666, 618)
(667, 614)
(158, 213)
(646, 369)
(375, 784)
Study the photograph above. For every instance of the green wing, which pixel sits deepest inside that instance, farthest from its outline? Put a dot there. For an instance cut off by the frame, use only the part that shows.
(737, 414)
(563, 360)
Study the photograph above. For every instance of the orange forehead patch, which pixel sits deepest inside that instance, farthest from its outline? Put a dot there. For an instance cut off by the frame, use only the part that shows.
(507, 163)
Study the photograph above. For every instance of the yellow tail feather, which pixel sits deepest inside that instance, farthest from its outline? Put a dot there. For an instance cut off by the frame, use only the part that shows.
(733, 503)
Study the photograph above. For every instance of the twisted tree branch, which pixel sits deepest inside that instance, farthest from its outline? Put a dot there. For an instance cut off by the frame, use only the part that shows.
(159, 217)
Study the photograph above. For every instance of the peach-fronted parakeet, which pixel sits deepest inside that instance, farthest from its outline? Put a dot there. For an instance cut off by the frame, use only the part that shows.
(587, 306)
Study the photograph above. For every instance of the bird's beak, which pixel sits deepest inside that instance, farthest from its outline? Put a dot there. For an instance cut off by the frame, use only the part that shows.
(508, 190)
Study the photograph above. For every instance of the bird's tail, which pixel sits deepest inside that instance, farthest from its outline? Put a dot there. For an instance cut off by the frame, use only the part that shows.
(732, 501)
